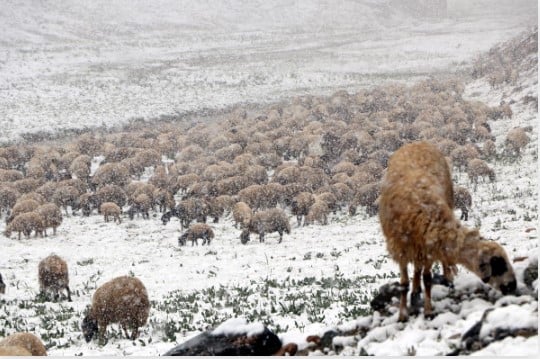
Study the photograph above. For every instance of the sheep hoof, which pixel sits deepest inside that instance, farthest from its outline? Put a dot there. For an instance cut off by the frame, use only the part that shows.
(429, 316)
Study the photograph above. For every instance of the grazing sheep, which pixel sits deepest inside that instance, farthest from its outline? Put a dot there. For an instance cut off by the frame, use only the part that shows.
(242, 214)
(24, 341)
(26, 223)
(12, 351)
(196, 231)
(164, 199)
(122, 300)
(8, 198)
(52, 216)
(366, 196)
(141, 204)
(271, 220)
(23, 206)
(463, 201)
(2, 285)
(515, 141)
(417, 219)
(65, 196)
(53, 276)
(110, 209)
(87, 202)
(300, 206)
(479, 168)
(112, 193)
(319, 212)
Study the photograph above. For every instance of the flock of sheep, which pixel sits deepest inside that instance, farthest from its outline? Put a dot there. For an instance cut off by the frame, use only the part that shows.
(308, 158)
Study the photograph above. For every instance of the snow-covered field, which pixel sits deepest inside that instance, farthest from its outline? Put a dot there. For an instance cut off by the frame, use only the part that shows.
(319, 277)
(81, 64)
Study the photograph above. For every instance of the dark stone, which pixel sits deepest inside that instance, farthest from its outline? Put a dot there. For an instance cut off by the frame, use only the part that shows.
(530, 274)
(385, 295)
(265, 343)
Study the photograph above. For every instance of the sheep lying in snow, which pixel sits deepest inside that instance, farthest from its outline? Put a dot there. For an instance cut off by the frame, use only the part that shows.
(53, 276)
(196, 231)
(417, 219)
(463, 201)
(242, 214)
(272, 220)
(26, 223)
(109, 209)
(121, 300)
(26, 342)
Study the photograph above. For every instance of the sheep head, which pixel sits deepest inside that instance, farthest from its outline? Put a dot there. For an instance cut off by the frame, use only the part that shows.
(244, 236)
(488, 260)
(89, 328)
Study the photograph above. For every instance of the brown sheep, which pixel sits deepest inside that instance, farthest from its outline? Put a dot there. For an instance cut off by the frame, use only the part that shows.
(24, 206)
(141, 204)
(300, 206)
(109, 209)
(515, 141)
(272, 220)
(164, 199)
(25, 342)
(479, 168)
(196, 231)
(52, 216)
(417, 219)
(10, 175)
(319, 212)
(463, 201)
(12, 351)
(242, 214)
(122, 300)
(53, 276)
(26, 223)
(366, 196)
(112, 193)
(8, 198)
(65, 196)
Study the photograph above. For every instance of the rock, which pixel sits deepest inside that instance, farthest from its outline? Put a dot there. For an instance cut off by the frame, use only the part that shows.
(385, 295)
(210, 344)
(530, 274)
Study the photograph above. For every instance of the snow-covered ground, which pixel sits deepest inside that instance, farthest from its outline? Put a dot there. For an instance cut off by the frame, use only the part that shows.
(319, 277)
(80, 64)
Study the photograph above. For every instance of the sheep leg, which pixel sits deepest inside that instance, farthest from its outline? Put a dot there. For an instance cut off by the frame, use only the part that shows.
(428, 310)
(404, 282)
(280, 236)
(135, 333)
(124, 326)
(416, 301)
(68, 293)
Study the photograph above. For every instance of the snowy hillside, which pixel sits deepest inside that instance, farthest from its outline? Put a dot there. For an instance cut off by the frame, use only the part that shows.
(79, 63)
(83, 64)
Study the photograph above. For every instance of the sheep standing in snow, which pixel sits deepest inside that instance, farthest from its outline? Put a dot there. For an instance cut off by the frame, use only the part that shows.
(242, 214)
(300, 206)
(272, 220)
(53, 276)
(26, 223)
(319, 212)
(52, 216)
(110, 209)
(417, 219)
(463, 201)
(121, 300)
(477, 168)
(25, 342)
(196, 231)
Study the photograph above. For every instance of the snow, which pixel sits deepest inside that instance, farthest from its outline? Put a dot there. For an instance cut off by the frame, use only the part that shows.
(235, 326)
(61, 67)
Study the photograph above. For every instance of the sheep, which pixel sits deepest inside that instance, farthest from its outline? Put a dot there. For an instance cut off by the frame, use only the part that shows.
(53, 276)
(10, 175)
(196, 231)
(87, 202)
(111, 173)
(300, 205)
(110, 209)
(65, 196)
(141, 204)
(20, 207)
(25, 342)
(2, 285)
(463, 201)
(271, 220)
(34, 196)
(164, 199)
(8, 198)
(112, 193)
(242, 214)
(417, 219)
(366, 196)
(52, 216)
(122, 300)
(12, 351)
(319, 212)
(479, 168)
(26, 223)
(515, 141)
(27, 185)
